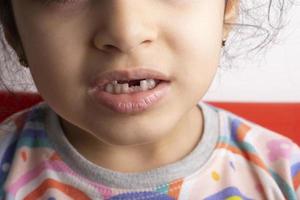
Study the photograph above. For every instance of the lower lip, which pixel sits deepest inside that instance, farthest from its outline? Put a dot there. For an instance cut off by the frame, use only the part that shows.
(133, 102)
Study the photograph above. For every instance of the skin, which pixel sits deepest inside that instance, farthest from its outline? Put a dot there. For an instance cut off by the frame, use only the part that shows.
(66, 46)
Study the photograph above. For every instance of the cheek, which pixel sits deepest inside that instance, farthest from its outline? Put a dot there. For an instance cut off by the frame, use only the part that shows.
(198, 51)
(52, 54)
(197, 37)
(54, 65)
(52, 48)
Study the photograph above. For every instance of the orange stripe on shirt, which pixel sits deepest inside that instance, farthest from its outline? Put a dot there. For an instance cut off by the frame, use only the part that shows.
(66, 189)
(174, 189)
(296, 181)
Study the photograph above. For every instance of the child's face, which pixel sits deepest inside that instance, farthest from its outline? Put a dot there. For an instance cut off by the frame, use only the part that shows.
(64, 46)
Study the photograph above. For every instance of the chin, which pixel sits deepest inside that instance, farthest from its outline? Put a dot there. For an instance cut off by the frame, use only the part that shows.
(129, 136)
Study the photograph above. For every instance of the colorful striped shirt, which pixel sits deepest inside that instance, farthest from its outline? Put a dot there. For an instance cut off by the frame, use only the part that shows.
(234, 160)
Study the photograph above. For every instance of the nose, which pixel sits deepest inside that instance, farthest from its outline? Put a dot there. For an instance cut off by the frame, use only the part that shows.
(125, 27)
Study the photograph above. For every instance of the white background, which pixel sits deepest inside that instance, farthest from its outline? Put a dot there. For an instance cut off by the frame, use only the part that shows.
(275, 79)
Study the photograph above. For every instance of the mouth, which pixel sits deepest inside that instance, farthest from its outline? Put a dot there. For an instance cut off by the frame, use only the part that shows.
(129, 81)
(130, 91)
(130, 86)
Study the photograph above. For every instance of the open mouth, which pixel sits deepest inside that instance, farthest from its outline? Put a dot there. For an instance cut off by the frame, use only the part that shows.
(130, 91)
(131, 86)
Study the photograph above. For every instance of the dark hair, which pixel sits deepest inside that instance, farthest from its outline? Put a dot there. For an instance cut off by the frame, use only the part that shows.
(258, 25)
(257, 29)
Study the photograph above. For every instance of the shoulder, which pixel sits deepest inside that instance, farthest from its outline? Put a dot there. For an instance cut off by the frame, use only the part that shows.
(10, 127)
(14, 122)
(241, 130)
(13, 126)
(11, 130)
(272, 152)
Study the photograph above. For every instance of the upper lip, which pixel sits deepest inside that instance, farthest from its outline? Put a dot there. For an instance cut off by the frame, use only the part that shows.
(102, 79)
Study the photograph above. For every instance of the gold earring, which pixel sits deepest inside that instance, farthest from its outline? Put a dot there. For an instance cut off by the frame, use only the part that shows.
(223, 43)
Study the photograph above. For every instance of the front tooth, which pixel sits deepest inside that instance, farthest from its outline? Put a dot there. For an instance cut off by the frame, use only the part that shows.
(144, 85)
(118, 88)
(151, 83)
(125, 88)
(109, 88)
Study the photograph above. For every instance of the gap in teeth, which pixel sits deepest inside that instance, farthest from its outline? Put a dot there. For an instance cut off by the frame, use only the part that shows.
(130, 82)
(124, 87)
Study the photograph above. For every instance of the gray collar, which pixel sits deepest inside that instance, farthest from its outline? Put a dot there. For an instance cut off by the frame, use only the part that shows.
(155, 177)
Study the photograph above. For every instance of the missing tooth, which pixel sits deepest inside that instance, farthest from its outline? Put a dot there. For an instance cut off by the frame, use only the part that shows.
(131, 82)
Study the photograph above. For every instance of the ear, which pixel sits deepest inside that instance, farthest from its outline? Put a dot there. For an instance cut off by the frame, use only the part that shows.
(230, 16)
